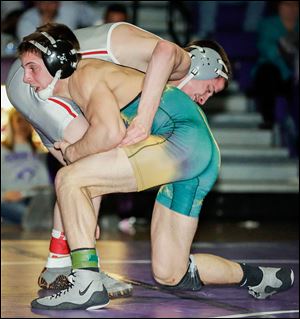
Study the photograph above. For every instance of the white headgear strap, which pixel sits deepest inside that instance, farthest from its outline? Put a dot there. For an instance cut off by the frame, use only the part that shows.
(206, 64)
(48, 91)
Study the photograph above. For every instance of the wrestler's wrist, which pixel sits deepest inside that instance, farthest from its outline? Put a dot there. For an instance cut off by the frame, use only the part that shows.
(144, 122)
(68, 155)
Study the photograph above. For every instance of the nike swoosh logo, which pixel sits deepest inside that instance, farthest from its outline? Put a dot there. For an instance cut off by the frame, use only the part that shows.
(81, 293)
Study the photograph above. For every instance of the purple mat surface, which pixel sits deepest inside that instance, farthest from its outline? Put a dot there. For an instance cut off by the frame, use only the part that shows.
(149, 301)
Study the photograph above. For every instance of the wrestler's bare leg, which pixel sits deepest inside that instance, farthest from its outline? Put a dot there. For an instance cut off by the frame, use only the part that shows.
(112, 172)
(56, 278)
(171, 239)
(92, 176)
(57, 221)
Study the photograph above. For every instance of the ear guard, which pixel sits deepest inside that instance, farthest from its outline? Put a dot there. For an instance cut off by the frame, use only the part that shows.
(60, 59)
(58, 55)
(206, 64)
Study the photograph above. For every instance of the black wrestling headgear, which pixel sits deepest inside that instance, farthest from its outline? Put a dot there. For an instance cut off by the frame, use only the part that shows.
(58, 55)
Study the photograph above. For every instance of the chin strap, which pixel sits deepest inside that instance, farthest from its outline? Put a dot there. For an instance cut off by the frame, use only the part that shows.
(48, 91)
(187, 79)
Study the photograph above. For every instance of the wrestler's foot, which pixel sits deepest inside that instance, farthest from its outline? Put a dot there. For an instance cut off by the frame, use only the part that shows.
(85, 291)
(57, 278)
(115, 288)
(274, 280)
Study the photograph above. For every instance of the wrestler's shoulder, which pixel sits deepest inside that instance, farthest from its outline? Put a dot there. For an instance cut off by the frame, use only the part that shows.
(88, 65)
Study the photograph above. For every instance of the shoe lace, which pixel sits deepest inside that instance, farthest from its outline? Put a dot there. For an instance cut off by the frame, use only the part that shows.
(254, 293)
(70, 285)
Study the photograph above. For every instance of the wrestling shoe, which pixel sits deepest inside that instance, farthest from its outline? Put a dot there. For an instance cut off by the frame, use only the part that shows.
(57, 279)
(54, 278)
(85, 291)
(114, 287)
(274, 280)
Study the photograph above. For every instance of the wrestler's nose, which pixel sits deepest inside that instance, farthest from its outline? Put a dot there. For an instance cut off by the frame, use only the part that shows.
(203, 99)
(26, 77)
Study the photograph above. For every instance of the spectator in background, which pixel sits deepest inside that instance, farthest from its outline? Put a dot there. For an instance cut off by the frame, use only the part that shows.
(23, 172)
(9, 6)
(9, 39)
(73, 14)
(115, 13)
(275, 72)
(211, 11)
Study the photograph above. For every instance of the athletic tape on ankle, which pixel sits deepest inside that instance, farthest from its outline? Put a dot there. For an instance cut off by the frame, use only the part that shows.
(59, 246)
(59, 262)
(84, 258)
(58, 234)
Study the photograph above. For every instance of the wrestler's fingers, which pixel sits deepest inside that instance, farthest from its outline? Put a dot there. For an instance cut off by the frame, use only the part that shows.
(134, 135)
(128, 137)
(57, 145)
(134, 140)
(127, 140)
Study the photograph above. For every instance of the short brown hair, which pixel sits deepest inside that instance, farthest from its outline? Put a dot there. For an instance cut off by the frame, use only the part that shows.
(56, 30)
(218, 48)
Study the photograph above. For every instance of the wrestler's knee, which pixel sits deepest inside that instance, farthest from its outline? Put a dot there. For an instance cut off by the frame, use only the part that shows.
(167, 271)
(64, 179)
(188, 281)
(162, 273)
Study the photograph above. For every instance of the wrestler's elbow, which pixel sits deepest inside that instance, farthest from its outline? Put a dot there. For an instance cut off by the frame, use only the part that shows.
(117, 135)
(114, 135)
(166, 49)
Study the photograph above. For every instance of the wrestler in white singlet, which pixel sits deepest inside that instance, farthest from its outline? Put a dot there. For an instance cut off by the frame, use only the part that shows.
(51, 117)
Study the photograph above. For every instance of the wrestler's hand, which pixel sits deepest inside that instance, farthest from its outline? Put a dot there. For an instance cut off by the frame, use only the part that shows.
(63, 147)
(137, 131)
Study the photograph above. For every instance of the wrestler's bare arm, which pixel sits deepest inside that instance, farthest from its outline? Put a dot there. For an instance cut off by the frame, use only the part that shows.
(106, 128)
(160, 59)
(167, 62)
(142, 46)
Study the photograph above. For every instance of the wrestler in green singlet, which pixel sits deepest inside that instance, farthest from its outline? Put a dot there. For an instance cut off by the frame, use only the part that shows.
(181, 148)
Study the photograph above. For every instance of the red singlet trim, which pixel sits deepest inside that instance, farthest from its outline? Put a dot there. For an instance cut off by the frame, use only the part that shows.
(65, 106)
(94, 52)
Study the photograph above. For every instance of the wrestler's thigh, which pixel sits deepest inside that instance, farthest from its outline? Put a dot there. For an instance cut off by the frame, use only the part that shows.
(103, 173)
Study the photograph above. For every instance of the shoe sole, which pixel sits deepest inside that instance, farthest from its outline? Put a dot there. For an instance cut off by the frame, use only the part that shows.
(120, 294)
(91, 304)
(97, 307)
